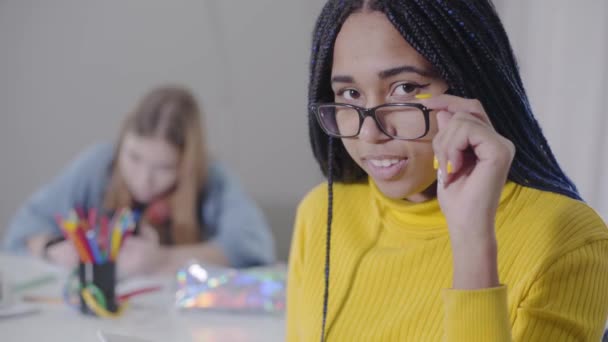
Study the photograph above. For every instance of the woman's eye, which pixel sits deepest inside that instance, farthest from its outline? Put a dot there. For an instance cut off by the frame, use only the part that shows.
(407, 89)
(350, 94)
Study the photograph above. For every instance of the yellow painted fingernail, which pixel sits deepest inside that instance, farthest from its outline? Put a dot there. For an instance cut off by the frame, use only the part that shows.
(450, 168)
(423, 96)
(435, 163)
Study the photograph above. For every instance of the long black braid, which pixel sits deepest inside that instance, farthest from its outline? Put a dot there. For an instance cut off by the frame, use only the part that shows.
(466, 43)
(330, 202)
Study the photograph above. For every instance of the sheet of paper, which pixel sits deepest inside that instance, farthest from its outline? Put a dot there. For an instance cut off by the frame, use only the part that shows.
(17, 309)
(109, 337)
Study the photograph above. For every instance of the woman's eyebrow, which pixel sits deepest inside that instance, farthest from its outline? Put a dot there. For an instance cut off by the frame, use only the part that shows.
(406, 69)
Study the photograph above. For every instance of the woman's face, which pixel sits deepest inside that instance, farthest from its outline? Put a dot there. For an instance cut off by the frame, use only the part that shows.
(149, 166)
(374, 65)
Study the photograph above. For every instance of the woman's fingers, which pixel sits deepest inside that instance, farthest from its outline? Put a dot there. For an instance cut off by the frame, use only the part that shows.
(462, 141)
(455, 104)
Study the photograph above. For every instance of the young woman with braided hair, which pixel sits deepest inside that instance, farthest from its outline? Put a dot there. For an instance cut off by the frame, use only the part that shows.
(448, 216)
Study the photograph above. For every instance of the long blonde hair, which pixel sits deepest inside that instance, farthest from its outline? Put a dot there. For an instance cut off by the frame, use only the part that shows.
(172, 113)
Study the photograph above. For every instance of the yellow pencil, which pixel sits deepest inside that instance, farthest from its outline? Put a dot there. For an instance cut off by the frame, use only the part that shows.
(116, 237)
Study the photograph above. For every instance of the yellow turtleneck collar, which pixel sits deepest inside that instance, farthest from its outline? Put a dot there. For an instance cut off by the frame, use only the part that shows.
(420, 217)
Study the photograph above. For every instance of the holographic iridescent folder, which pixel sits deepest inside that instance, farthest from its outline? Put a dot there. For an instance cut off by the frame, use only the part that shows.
(252, 290)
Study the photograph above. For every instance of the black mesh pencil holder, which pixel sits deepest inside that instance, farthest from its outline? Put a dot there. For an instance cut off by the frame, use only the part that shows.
(97, 288)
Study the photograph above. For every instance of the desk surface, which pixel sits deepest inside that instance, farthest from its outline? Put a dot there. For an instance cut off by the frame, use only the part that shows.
(151, 316)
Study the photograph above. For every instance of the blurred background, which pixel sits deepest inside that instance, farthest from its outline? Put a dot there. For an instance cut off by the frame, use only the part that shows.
(71, 69)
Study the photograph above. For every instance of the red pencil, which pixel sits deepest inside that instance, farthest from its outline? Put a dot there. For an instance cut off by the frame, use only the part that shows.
(79, 235)
(92, 218)
(126, 296)
(104, 235)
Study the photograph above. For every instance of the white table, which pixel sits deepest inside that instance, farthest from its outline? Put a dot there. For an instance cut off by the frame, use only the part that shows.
(150, 316)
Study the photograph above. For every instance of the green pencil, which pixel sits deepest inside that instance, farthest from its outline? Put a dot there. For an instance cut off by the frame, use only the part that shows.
(33, 283)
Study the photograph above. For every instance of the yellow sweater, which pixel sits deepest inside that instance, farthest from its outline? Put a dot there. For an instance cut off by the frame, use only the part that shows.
(391, 270)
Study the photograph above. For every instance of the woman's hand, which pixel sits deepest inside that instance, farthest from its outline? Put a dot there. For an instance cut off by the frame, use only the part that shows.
(63, 253)
(141, 254)
(474, 162)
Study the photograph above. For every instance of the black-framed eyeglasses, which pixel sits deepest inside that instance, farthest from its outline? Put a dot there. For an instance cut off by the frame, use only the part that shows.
(403, 121)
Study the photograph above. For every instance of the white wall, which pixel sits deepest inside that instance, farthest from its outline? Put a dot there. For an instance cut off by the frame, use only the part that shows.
(70, 70)
(562, 49)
